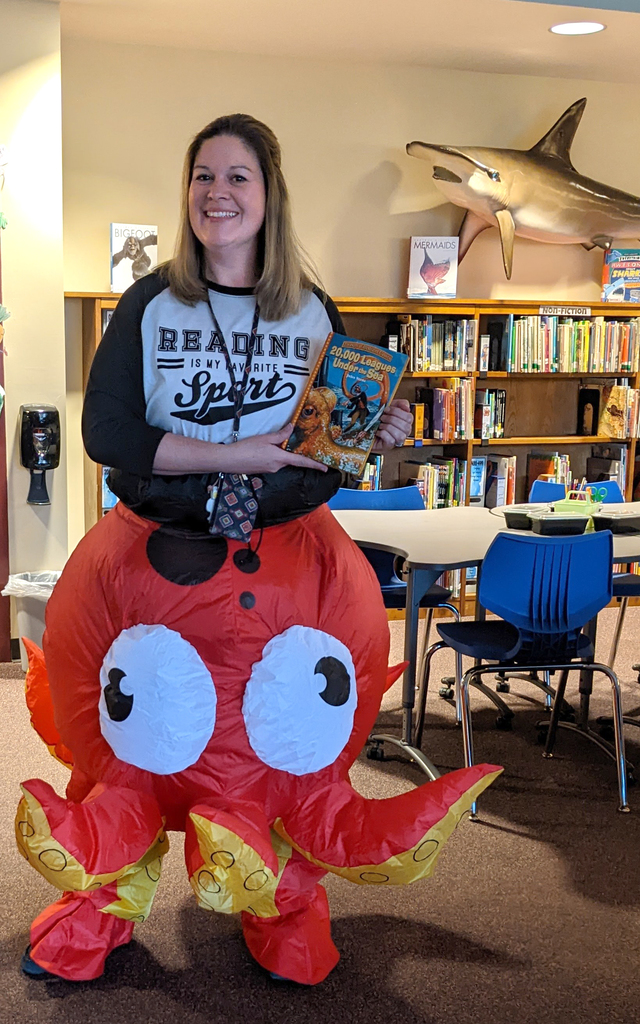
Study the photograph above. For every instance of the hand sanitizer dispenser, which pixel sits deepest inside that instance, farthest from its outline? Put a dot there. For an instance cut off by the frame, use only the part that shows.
(39, 447)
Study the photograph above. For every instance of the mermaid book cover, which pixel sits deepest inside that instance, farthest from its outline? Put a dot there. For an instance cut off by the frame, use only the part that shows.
(338, 415)
(433, 267)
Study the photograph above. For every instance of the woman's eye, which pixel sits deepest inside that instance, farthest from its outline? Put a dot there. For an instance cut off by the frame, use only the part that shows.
(300, 701)
(238, 178)
(203, 177)
(158, 702)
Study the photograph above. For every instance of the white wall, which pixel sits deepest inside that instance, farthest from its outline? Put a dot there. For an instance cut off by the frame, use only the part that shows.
(32, 274)
(129, 112)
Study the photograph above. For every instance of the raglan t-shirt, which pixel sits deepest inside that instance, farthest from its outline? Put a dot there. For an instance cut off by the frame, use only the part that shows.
(160, 367)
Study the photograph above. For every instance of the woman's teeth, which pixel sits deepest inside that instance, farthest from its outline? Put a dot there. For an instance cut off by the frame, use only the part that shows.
(219, 214)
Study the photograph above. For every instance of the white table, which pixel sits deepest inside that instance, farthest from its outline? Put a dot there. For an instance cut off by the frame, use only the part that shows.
(433, 541)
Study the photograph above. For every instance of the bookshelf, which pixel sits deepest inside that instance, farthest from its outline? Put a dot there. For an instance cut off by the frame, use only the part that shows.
(541, 408)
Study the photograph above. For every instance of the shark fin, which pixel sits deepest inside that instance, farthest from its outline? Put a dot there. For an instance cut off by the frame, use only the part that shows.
(602, 241)
(507, 234)
(556, 144)
(470, 228)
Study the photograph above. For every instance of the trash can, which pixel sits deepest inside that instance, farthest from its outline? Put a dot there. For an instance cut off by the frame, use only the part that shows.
(31, 591)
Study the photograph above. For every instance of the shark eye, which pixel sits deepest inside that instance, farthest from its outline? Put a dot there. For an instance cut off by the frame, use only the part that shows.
(300, 701)
(158, 702)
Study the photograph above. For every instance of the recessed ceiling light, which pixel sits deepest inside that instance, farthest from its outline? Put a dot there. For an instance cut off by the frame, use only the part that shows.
(577, 28)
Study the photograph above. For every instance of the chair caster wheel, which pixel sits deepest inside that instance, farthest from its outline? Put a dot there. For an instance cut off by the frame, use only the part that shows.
(607, 732)
(375, 752)
(447, 690)
(504, 723)
(541, 736)
(503, 687)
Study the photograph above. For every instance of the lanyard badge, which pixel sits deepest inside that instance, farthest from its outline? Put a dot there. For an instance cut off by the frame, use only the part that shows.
(232, 505)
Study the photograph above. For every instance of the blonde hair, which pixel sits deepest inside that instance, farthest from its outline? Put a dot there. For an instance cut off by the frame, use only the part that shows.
(284, 269)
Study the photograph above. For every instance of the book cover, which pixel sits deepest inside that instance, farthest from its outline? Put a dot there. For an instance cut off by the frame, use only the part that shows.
(621, 276)
(613, 412)
(477, 480)
(339, 413)
(134, 253)
(433, 267)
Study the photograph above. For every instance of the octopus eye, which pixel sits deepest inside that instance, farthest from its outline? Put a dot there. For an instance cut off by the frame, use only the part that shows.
(300, 701)
(158, 702)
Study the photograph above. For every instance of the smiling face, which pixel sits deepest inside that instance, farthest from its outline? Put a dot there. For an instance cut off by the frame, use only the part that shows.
(227, 200)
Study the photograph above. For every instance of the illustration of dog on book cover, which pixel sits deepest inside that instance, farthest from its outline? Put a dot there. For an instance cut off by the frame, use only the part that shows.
(337, 419)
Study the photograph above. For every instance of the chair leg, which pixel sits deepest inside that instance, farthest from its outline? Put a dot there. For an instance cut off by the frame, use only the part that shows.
(617, 631)
(422, 695)
(619, 736)
(555, 714)
(467, 733)
(457, 675)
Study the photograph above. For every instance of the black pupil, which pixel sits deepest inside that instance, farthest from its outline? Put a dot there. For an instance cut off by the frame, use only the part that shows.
(336, 692)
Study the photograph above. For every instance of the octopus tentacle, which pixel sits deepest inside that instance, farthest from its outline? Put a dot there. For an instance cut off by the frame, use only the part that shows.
(382, 842)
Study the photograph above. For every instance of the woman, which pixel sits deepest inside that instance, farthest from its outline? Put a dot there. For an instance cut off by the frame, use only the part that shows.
(218, 679)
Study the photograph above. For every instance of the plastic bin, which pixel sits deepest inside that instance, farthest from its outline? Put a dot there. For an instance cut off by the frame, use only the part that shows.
(31, 591)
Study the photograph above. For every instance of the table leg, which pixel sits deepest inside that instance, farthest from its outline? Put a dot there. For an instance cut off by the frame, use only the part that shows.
(419, 582)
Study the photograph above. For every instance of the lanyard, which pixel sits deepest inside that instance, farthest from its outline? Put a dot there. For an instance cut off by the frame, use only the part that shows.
(238, 387)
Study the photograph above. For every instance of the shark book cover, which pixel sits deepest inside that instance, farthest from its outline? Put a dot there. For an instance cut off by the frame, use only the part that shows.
(433, 267)
(339, 413)
(621, 276)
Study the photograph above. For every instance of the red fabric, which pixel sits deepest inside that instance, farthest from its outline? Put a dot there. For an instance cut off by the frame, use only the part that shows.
(297, 946)
(310, 574)
(38, 697)
(72, 938)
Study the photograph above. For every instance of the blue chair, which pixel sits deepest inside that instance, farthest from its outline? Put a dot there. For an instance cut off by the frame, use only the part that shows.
(625, 584)
(546, 490)
(606, 491)
(394, 589)
(545, 590)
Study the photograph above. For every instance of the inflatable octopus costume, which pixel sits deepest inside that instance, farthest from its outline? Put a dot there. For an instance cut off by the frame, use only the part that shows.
(195, 686)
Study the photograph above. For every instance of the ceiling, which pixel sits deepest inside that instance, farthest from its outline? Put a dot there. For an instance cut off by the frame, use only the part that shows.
(496, 36)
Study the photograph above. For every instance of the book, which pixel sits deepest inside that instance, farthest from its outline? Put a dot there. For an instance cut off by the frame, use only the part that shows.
(477, 479)
(612, 421)
(588, 411)
(340, 409)
(500, 480)
(134, 253)
(621, 275)
(547, 466)
(433, 267)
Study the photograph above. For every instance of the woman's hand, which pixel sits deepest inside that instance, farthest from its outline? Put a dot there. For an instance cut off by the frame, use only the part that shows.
(177, 454)
(263, 454)
(395, 424)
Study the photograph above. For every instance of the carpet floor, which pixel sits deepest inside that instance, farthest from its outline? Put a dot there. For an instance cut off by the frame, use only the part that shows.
(532, 916)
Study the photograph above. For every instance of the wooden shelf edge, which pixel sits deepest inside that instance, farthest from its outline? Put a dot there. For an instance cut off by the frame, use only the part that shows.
(560, 439)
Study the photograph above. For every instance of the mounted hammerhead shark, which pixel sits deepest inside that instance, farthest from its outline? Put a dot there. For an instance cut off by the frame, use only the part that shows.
(535, 193)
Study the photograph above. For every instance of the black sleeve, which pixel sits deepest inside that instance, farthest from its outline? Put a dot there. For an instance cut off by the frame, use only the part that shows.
(332, 311)
(114, 427)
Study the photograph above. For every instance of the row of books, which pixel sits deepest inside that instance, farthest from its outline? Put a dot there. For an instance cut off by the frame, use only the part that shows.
(561, 344)
(489, 413)
(371, 479)
(444, 414)
(434, 344)
(442, 482)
